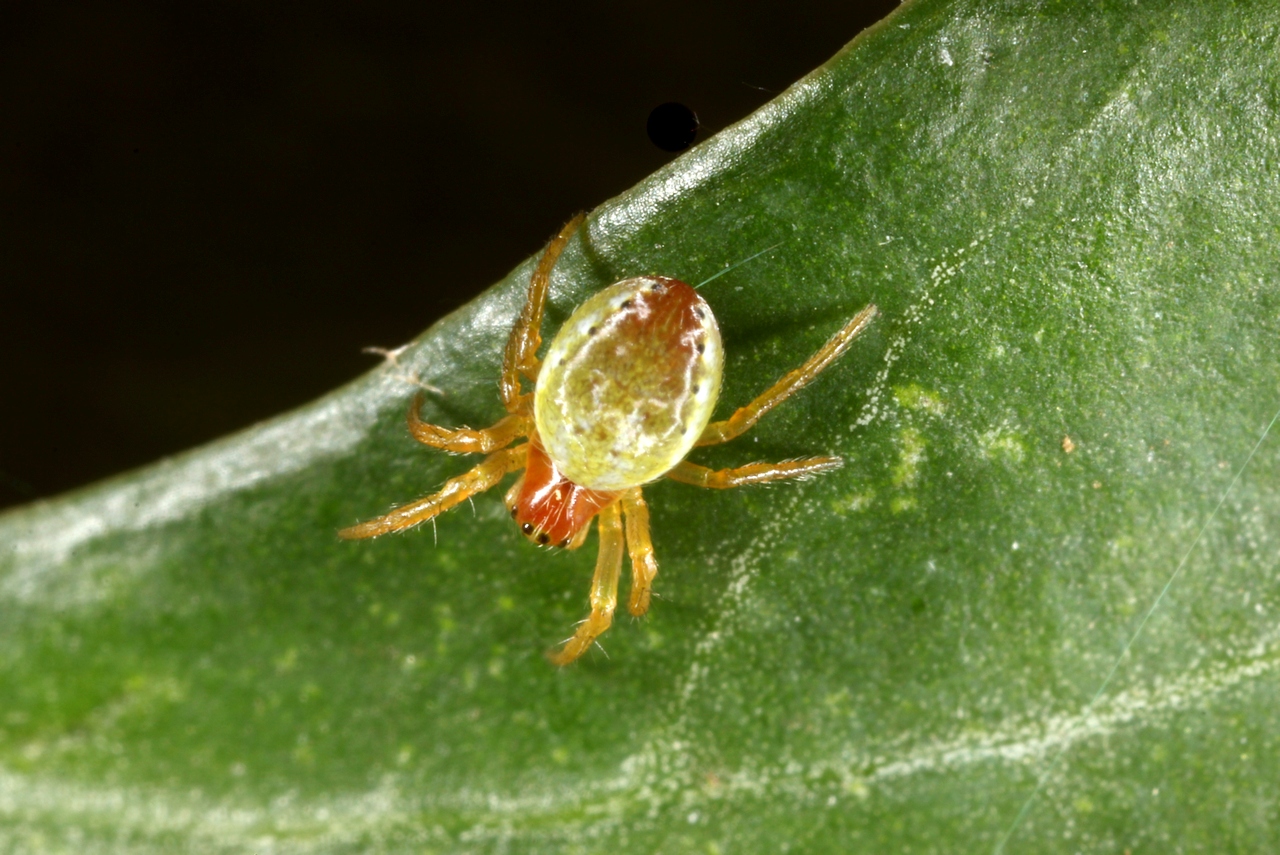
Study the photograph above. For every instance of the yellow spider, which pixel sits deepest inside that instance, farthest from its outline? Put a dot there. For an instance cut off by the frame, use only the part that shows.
(626, 390)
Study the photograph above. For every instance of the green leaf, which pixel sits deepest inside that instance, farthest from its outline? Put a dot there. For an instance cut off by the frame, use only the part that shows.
(1069, 218)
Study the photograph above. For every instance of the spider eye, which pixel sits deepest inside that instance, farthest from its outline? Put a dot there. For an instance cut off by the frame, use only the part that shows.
(527, 528)
(514, 512)
(543, 538)
(562, 544)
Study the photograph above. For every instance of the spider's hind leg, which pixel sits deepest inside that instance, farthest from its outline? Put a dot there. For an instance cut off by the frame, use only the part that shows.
(466, 440)
(752, 473)
(791, 382)
(521, 357)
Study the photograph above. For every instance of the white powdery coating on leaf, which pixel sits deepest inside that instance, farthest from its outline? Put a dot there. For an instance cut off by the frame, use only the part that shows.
(944, 271)
(662, 773)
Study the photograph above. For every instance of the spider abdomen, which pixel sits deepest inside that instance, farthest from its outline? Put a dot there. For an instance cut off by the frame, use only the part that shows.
(629, 383)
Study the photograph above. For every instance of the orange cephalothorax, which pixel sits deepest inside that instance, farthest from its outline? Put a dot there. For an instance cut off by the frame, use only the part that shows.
(550, 509)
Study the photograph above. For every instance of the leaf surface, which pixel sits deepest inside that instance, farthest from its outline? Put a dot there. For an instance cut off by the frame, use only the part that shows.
(1069, 221)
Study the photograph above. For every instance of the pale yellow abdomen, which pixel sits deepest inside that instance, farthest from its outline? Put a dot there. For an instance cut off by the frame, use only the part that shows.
(629, 383)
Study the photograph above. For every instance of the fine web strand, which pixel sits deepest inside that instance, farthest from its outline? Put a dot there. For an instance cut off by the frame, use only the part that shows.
(1115, 666)
(738, 264)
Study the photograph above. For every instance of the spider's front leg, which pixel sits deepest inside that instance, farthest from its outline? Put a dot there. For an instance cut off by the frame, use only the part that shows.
(644, 566)
(456, 490)
(521, 357)
(604, 588)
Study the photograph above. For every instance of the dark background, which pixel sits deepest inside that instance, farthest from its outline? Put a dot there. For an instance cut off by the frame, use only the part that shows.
(208, 208)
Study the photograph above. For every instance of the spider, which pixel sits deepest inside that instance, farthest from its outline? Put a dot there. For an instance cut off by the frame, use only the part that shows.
(625, 391)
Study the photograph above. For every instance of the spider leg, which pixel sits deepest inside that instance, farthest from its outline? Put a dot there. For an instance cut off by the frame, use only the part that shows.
(752, 473)
(521, 356)
(644, 566)
(604, 588)
(485, 475)
(791, 382)
(466, 440)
